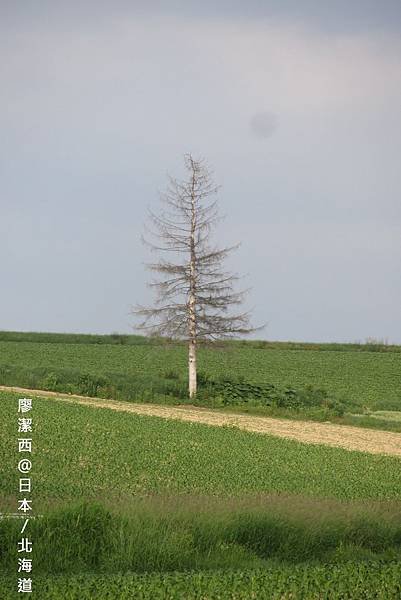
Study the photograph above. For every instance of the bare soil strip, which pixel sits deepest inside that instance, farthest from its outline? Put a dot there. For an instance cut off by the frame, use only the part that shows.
(343, 436)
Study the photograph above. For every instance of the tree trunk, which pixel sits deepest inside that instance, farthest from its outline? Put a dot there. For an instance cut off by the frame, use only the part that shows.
(192, 368)
(192, 295)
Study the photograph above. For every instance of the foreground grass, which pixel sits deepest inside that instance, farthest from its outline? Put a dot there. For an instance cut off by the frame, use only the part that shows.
(212, 498)
(195, 536)
(367, 581)
(83, 452)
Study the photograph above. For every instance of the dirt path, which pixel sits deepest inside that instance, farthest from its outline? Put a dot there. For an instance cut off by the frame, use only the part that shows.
(344, 436)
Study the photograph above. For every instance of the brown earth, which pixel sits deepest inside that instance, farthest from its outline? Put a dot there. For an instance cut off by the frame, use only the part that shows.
(343, 436)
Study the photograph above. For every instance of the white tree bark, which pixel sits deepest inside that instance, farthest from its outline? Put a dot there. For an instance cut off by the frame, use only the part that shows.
(194, 292)
(192, 368)
(192, 295)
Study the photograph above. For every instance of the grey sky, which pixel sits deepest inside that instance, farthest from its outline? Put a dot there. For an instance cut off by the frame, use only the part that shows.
(297, 111)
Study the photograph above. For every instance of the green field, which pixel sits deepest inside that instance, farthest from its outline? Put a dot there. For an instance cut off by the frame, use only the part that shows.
(141, 507)
(108, 452)
(353, 376)
(370, 581)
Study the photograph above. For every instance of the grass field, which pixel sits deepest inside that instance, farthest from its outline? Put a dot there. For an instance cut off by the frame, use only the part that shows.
(106, 452)
(141, 507)
(362, 378)
(369, 581)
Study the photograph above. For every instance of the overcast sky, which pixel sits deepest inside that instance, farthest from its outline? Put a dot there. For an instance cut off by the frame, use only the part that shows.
(296, 107)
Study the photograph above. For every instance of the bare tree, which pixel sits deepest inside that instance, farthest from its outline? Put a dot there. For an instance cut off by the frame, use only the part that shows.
(194, 293)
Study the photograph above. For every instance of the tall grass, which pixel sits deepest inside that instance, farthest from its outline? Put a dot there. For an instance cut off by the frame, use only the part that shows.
(118, 386)
(92, 538)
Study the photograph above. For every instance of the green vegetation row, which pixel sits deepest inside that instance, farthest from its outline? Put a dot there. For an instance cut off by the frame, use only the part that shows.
(169, 388)
(371, 345)
(90, 538)
(350, 581)
(365, 379)
(106, 453)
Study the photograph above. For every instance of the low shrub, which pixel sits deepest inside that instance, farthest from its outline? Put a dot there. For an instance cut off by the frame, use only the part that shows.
(235, 391)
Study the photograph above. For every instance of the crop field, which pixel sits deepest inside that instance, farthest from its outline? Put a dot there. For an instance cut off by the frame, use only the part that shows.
(104, 451)
(363, 378)
(136, 506)
(369, 581)
(142, 507)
